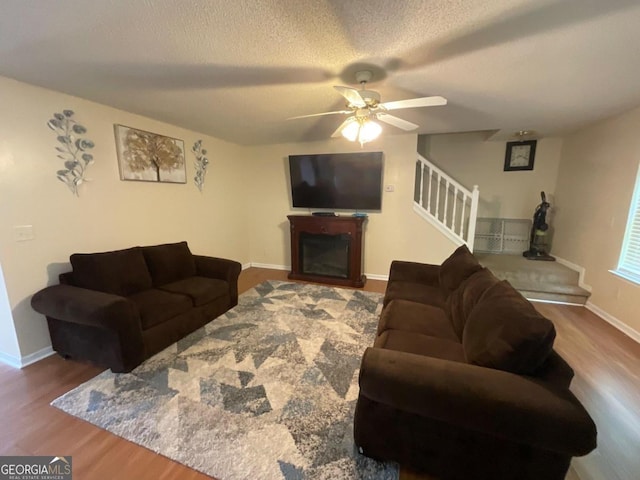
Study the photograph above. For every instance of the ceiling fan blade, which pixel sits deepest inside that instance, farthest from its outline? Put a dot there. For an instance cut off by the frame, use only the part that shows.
(415, 102)
(352, 95)
(338, 131)
(320, 114)
(396, 122)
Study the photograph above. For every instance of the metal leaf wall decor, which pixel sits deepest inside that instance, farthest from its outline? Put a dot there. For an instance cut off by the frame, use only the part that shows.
(201, 164)
(72, 149)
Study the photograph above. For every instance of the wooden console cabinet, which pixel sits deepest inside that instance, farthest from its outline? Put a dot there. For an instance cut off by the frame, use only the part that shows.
(327, 249)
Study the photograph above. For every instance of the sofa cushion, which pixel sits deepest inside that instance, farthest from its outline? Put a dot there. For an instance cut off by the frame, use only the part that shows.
(120, 272)
(419, 344)
(418, 318)
(157, 306)
(201, 290)
(414, 292)
(504, 331)
(462, 300)
(456, 269)
(169, 262)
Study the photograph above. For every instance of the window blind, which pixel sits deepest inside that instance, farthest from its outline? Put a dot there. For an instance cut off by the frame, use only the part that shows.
(629, 264)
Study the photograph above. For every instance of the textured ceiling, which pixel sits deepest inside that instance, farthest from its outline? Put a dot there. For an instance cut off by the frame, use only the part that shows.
(237, 69)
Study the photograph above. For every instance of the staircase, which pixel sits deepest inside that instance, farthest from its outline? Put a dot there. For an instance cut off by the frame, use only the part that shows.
(453, 210)
(444, 203)
(537, 280)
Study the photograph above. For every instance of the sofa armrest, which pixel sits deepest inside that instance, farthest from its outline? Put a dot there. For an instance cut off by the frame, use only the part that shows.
(86, 307)
(222, 269)
(513, 407)
(414, 272)
(80, 306)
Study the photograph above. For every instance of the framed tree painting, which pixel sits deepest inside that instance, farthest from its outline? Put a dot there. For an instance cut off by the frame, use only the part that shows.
(149, 157)
(520, 155)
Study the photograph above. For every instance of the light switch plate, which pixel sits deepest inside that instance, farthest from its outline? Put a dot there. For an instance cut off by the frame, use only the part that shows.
(22, 233)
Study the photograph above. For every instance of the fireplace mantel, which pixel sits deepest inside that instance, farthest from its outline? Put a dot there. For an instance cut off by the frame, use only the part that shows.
(327, 249)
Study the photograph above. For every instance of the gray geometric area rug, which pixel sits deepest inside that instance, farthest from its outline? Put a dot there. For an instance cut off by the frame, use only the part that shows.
(265, 391)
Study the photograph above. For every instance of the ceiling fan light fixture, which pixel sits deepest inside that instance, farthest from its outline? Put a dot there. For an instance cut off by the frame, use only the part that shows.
(369, 131)
(362, 129)
(351, 130)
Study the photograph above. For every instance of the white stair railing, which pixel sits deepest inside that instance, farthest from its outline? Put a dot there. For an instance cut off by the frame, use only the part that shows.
(445, 203)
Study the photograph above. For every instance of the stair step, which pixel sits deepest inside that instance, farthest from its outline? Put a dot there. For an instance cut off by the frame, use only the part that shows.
(537, 280)
(549, 287)
(555, 297)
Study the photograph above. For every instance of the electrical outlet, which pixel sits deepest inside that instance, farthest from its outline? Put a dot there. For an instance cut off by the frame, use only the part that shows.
(389, 188)
(22, 233)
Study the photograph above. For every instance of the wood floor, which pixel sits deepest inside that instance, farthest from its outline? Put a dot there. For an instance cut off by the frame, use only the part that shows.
(607, 365)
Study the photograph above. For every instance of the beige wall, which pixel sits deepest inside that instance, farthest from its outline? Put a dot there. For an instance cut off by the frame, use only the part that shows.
(595, 186)
(110, 213)
(472, 160)
(394, 233)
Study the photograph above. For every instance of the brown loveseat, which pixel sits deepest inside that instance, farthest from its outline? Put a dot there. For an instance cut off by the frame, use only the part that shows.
(118, 308)
(463, 382)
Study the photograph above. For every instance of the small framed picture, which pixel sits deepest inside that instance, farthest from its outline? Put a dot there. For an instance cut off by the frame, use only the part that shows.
(520, 155)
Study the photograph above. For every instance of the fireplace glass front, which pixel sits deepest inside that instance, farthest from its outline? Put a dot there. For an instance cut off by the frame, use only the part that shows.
(326, 255)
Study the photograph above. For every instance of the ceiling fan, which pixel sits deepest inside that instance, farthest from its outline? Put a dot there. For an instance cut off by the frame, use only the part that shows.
(364, 108)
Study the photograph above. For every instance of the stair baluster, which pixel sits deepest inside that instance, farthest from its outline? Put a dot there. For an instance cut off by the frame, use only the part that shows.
(438, 184)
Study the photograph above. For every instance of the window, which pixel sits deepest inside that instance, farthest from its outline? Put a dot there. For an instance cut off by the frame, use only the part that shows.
(629, 264)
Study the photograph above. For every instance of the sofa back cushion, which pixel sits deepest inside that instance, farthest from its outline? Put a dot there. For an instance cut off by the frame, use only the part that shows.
(121, 272)
(456, 269)
(169, 262)
(505, 332)
(460, 303)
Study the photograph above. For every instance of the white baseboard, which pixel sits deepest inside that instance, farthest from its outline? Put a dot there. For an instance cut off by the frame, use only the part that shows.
(271, 266)
(246, 265)
(27, 359)
(10, 360)
(37, 356)
(576, 268)
(607, 317)
(375, 276)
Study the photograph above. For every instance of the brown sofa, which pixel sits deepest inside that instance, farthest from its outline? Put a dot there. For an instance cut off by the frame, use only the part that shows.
(118, 308)
(463, 382)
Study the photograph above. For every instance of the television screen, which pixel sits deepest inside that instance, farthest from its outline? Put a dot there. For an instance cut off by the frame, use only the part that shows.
(349, 181)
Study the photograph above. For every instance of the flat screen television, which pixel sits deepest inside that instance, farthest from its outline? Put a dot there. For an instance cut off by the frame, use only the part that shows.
(348, 181)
